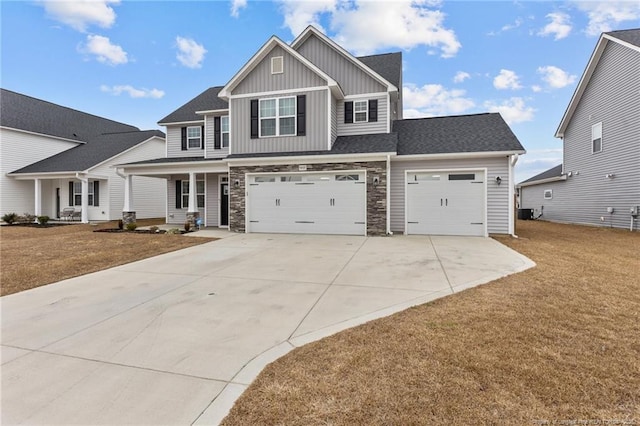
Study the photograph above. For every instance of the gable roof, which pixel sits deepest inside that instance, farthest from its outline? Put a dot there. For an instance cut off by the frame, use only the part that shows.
(553, 174)
(207, 100)
(18, 111)
(388, 65)
(628, 38)
(97, 150)
(311, 30)
(262, 53)
(486, 132)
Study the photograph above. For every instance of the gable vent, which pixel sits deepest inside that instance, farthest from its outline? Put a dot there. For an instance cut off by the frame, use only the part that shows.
(277, 66)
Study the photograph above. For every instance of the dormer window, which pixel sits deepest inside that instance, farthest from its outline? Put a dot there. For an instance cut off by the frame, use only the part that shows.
(360, 109)
(277, 65)
(194, 137)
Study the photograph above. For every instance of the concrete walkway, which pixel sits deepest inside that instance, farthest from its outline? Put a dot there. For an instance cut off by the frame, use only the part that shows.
(175, 339)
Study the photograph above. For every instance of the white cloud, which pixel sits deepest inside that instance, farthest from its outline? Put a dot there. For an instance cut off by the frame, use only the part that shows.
(513, 110)
(508, 27)
(556, 77)
(536, 88)
(105, 51)
(559, 27)
(365, 26)
(133, 92)
(507, 79)
(461, 76)
(607, 15)
(79, 14)
(190, 53)
(236, 5)
(432, 100)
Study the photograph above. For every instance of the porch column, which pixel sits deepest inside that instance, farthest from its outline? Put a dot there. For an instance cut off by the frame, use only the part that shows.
(128, 211)
(38, 198)
(192, 211)
(85, 200)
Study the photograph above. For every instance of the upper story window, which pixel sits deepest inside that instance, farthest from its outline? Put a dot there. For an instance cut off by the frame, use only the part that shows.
(278, 117)
(224, 130)
(194, 137)
(277, 65)
(596, 137)
(360, 110)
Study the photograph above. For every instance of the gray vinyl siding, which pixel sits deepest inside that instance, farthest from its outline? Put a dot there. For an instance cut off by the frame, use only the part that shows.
(210, 140)
(379, 126)
(316, 135)
(179, 216)
(334, 119)
(296, 75)
(611, 97)
(211, 199)
(351, 78)
(497, 196)
(174, 142)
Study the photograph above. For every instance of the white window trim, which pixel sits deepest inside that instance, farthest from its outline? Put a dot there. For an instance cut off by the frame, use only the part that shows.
(548, 192)
(366, 111)
(277, 117)
(200, 138)
(222, 132)
(90, 193)
(595, 129)
(274, 62)
(186, 194)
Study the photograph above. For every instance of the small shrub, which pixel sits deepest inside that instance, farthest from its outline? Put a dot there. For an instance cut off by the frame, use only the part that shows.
(173, 231)
(27, 218)
(10, 218)
(154, 228)
(120, 224)
(187, 226)
(42, 220)
(131, 226)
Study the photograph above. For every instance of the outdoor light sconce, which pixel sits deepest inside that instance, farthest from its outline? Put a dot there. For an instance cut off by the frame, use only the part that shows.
(376, 180)
(236, 183)
(498, 180)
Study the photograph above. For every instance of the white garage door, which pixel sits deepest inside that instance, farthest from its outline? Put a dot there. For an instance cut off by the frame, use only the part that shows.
(301, 203)
(446, 203)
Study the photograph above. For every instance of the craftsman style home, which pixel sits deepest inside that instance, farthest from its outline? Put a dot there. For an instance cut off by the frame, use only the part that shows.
(307, 138)
(58, 162)
(598, 182)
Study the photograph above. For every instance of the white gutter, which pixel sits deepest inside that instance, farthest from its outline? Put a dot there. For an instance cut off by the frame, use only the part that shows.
(541, 181)
(457, 155)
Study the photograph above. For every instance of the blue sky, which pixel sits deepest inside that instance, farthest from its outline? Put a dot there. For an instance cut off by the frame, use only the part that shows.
(137, 61)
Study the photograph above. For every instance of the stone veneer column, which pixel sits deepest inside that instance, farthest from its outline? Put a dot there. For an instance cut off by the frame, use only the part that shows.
(128, 217)
(237, 198)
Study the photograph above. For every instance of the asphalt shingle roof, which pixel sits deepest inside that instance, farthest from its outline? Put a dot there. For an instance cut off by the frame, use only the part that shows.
(98, 149)
(551, 173)
(205, 101)
(23, 112)
(388, 65)
(630, 36)
(486, 132)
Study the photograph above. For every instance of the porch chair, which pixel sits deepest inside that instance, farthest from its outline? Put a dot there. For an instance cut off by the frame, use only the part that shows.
(67, 213)
(77, 214)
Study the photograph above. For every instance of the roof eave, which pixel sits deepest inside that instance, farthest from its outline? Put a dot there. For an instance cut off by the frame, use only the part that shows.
(541, 181)
(476, 154)
(177, 123)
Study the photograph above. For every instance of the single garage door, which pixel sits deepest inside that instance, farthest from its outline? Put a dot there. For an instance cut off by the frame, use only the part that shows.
(446, 203)
(307, 203)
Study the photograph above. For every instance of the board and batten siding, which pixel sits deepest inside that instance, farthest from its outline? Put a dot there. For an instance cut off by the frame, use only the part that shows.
(296, 75)
(497, 195)
(174, 142)
(380, 126)
(316, 133)
(211, 152)
(352, 79)
(148, 193)
(612, 97)
(334, 120)
(19, 149)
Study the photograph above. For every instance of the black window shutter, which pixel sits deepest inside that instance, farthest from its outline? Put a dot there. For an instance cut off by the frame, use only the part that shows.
(184, 138)
(202, 135)
(254, 119)
(301, 113)
(348, 112)
(373, 110)
(217, 135)
(178, 194)
(71, 199)
(96, 193)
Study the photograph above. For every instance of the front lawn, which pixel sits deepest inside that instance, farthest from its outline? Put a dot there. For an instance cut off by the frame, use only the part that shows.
(557, 344)
(31, 257)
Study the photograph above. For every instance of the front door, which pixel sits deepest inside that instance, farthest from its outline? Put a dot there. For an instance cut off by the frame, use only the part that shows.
(224, 204)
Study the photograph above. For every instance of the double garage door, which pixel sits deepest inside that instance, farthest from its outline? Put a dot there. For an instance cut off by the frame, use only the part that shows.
(307, 203)
(446, 203)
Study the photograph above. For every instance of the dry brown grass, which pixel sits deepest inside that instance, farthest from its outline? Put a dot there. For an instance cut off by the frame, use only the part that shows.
(31, 257)
(557, 344)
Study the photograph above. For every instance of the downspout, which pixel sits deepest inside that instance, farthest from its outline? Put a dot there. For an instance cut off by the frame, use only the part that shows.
(389, 195)
(512, 163)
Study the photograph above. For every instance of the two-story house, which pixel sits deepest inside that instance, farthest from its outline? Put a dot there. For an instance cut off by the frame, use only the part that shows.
(58, 162)
(598, 182)
(307, 138)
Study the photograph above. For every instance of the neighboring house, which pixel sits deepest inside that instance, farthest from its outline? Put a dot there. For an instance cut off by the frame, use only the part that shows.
(307, 138)
(598, 182)
(53, 157)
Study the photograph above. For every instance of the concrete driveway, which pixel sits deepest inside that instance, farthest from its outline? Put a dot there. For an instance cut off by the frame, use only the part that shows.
(176, 339)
